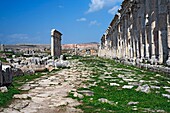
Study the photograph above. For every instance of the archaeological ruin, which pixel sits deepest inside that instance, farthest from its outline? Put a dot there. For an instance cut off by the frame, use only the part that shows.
(2, 47)
(139, 32)
(55, 43)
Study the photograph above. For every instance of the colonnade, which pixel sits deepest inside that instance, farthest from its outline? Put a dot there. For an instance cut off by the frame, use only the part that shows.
(139, 32)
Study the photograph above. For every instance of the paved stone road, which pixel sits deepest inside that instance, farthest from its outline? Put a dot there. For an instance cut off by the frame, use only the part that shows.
(48, 94)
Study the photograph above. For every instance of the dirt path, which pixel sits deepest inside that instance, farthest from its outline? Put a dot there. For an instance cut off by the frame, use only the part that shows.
(48, 94)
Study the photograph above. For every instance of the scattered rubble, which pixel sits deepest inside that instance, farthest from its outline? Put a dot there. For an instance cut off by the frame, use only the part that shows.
(144, 88)
(49, 93)
(3, 89)
(133, 103)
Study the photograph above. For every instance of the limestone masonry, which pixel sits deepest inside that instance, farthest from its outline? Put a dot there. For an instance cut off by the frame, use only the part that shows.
(55, 43)
(139, 32)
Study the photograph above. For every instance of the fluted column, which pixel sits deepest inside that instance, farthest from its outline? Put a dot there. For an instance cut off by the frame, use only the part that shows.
(146, 40)
(126, 37)
(131, 45)
(168, 33)
(163, 28)
(153, 57)
(153, 30)
(142, 30)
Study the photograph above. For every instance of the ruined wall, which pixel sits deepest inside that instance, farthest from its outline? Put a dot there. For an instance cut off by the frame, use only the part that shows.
(139, 32)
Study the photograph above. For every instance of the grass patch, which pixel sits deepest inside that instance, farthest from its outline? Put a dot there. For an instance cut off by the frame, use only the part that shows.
(18, 81)
(5, 98)
(3, 60)
(118, 97)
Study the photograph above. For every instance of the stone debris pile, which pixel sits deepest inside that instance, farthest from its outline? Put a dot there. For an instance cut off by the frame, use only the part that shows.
(49, 92)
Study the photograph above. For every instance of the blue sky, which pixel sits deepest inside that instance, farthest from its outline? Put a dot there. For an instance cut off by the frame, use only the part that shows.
(30, 21)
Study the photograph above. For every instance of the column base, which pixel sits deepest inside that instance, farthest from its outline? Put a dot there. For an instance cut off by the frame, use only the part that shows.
(138, 60)
(153, 60)
(146, 60)
(168, 61)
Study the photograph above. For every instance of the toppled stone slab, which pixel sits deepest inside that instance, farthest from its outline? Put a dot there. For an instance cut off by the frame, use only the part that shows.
(103, 100)
(145, 88)
(133, 103)
(168, 90)
(23, 104)
(78, 95)
(127, 87)
(166, 95)
(114, 84)
(3, 89)
(25, 87)
(155, 87)
(86, 92)
(21, 96)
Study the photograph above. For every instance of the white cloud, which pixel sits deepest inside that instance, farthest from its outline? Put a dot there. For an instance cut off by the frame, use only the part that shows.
(97, 5)
(81, 19)
(18, 36)
(113, 10)
(94, 22)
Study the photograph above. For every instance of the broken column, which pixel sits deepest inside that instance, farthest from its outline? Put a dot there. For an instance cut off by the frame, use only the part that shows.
(7, 76)
(55, 43)
(168, 33)
(2, 47)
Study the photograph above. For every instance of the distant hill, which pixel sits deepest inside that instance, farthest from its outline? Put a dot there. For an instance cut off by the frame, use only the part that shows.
(81, 45)
(90, 43)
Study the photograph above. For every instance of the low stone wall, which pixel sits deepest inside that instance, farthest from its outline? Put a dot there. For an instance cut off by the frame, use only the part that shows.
(154, 68)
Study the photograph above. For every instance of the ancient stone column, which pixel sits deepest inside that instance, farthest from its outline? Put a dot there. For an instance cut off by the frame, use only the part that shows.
(126, 37)
(142, 46)
(163, 28)
(146, 44)
(153, 30)
(153, 57)
(156, 31)
(2, 47)
(55, 43)
(142, 29)
(138, 41)
(1, 78)
(131, 43)
(160, 57)
(138, 46)
(168, 33)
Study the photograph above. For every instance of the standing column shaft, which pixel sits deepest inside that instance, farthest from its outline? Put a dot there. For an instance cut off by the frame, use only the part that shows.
(163, 28)
(1, 78)
(168, 33)
(55, 43)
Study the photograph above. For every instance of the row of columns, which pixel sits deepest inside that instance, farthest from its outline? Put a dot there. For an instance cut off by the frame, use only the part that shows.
(142, 32)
